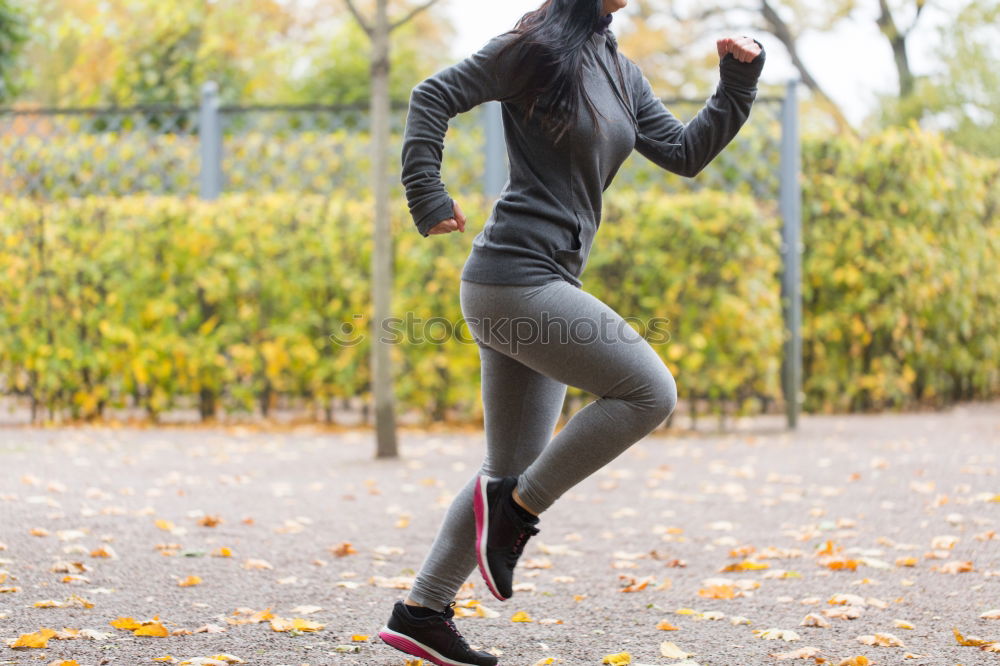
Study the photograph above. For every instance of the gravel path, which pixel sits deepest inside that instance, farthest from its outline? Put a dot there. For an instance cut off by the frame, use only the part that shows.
(829, 510)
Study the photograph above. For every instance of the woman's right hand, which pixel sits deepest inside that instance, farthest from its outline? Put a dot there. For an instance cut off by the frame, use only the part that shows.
(457, 222)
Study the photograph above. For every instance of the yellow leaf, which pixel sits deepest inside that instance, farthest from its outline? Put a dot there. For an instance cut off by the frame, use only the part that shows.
(668, 649)
(189, 581)
(746, 565)
(306, 625)
(165, 525)
(222, 552)
(359, 637)
(618, 659)
(969, 640)
(166, 658)
(125, 623)
(154, 629)
(520, 616)
(39, 639)
(666, 626)
(296, 624)
(343, 549)
(855, 661)
(718, 592)
(227, 658)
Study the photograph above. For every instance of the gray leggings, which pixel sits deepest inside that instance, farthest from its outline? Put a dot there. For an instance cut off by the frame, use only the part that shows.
(534, 341)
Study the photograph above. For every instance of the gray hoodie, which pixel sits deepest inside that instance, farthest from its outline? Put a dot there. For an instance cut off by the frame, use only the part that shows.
(543, 224)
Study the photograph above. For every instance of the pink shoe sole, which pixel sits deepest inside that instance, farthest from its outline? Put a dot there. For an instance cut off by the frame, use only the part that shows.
(404, 644)
(481, 508)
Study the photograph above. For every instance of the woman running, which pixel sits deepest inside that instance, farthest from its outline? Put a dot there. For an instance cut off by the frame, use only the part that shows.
(573, 110)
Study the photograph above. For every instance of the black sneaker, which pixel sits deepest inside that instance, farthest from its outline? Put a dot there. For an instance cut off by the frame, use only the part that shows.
(434, 638)
(500, 533)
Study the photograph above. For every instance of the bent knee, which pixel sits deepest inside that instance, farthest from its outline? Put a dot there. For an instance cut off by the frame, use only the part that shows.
(659, 395)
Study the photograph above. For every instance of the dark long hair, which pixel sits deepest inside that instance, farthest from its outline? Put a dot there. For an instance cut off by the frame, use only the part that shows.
(550, 46)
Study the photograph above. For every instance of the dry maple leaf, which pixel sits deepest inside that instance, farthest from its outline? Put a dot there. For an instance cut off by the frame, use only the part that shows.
(955, 567)
(745, 565)
(521, 616)
(634, 585)
(776, 634)
(618, 659)
(671, 651)
(257, 564)
(971, 641)
(801, 653)
(813, 620)
(880, 639)
(845, 613)
(296, 624)
(249, 616)
(343, 549)
(154, 629)
(718, 592)
(38, 639)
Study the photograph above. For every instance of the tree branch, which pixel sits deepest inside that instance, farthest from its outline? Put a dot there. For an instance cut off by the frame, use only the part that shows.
(360, 19)
(413, 12)
(780, 29)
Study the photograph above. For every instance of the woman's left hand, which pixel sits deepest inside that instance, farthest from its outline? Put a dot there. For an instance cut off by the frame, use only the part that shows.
(743, 48)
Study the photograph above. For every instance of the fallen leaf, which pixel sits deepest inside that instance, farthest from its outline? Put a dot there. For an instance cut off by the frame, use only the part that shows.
(39, 639)
(776, 634)
(880, 639)
(670, 650)
(801, 653)
(257, 564)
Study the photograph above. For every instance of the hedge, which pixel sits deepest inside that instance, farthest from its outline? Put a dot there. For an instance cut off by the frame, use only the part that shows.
(901, 272)
(149, 300)
(158, 301)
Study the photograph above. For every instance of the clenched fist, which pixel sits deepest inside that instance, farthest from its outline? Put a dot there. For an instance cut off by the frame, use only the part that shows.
(743, 48)
(452, 223)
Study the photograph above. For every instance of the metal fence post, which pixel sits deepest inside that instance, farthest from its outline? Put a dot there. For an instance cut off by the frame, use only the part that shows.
(791, 249)
(210, 139)
(495, 170)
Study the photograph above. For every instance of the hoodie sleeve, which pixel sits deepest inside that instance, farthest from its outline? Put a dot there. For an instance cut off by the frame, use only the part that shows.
(687, 149)
(433, 102)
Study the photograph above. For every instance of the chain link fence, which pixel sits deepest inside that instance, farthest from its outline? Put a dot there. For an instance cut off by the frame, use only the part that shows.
(53, 153)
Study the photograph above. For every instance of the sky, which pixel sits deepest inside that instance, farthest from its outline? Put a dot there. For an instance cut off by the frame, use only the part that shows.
(852, 63)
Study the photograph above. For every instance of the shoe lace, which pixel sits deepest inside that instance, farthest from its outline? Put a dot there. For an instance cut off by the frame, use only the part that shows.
(449, 613)
(525, 533)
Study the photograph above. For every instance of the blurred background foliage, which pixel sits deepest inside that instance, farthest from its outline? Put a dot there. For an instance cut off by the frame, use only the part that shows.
(121, 52)
(231, 304)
